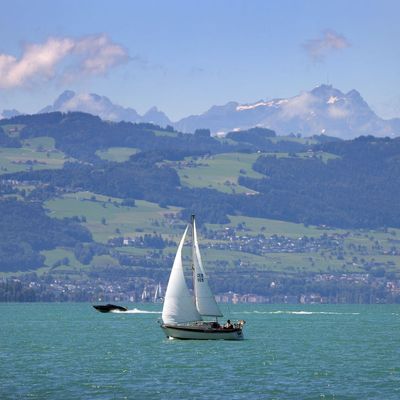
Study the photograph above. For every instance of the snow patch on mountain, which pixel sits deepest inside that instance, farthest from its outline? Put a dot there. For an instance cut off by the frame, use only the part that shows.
(252, 106)
(332, 100)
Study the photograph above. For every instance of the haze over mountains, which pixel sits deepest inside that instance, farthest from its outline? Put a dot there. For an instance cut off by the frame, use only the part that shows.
(323, 110)
(103, 107)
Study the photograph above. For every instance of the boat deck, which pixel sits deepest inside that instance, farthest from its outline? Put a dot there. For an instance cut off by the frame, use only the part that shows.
(201, 331)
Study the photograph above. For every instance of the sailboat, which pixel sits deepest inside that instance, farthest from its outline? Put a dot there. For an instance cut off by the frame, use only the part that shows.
(145, 295)
(183, 314)
(158, 294)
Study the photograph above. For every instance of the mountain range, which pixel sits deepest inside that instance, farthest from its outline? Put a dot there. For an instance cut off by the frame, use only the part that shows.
(103, 107)
(323, 110)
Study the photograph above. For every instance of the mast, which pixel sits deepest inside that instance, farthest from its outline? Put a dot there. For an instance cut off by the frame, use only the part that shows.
(193, 256)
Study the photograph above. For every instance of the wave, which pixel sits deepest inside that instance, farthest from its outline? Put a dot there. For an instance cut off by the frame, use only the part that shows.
(135, 311)
(297, 312)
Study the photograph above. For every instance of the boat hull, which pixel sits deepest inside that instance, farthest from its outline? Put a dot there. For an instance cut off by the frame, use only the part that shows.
(109, 308)
(201, 333)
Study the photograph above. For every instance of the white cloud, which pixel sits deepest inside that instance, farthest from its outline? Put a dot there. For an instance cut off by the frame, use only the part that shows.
(318, 49)
(298, 106)
(60, 57)
(338, 112)
(99, 54)
(83, 102)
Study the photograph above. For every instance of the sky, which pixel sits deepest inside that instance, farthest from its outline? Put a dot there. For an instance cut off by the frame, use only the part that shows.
(185, 56)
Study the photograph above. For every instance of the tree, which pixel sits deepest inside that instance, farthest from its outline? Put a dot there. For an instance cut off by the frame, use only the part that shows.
(202, 133)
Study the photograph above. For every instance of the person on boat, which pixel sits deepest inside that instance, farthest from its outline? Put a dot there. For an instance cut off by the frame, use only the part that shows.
(228, 325)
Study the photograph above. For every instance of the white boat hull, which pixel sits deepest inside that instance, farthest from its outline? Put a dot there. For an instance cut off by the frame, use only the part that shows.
(201, 333)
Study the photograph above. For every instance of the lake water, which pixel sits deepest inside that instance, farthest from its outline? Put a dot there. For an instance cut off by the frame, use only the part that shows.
(70, 351)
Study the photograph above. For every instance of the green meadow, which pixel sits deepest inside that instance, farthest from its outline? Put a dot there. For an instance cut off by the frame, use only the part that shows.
(35, 154)
(118, 154)
(107, 218)
(218, 172)
(165, 133)
(301, 140)
(13, 130)
(270, 227)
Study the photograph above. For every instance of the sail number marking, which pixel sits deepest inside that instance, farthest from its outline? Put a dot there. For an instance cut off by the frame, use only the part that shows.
(200, 278)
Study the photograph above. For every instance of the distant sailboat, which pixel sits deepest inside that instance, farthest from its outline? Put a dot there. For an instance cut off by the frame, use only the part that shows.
(145, 295)
(158, 294)
(182, 315)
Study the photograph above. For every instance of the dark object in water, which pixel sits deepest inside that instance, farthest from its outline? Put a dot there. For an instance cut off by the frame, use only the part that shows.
(109, 307)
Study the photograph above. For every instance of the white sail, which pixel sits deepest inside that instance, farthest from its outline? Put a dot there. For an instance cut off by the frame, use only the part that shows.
(156, 293)
(159, 291)
(144, 294)
(178, 304)
(205, 300)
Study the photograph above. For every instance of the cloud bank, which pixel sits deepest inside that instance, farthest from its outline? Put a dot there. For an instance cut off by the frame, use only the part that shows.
(318, 49)
(61, 58)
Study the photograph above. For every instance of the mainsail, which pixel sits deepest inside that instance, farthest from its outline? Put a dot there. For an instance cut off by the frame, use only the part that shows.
(178, 304)
(205, 300)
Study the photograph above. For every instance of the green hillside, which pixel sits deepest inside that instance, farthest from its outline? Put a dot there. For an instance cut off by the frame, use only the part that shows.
(34, 154)
(300, 214)
(119, 154)
(220, 171)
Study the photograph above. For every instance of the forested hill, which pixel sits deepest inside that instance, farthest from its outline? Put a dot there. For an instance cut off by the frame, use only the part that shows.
(359, 188)
(317, 181)
(26, 230)
(80, 135)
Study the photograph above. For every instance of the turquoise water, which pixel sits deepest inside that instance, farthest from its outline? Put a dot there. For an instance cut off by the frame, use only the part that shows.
(70, 351)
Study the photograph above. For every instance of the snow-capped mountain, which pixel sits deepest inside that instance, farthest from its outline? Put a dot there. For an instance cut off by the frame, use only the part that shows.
(102, 106)
(322, 110)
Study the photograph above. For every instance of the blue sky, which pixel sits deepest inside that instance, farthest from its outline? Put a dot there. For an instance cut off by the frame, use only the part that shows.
(184, 56)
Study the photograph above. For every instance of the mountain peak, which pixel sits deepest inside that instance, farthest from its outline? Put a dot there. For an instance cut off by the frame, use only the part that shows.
(155, 116)
(326, 91)
(153, 109)
(103, 107)
(354, 94)
(63, 97)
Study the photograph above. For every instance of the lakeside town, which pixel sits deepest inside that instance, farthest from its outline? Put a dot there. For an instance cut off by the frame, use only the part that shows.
(343, 288)
(362, 278)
